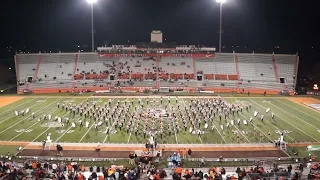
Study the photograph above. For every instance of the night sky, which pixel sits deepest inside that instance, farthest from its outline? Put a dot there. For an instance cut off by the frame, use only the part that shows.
(248, 25)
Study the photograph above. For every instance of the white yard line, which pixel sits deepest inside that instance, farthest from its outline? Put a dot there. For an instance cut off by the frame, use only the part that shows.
(72, 121)
(30, 126)
(295, 117)
(297, 110)
(219, 133)
(130, 128)
(184, 104)
(242, 134)
(26, 129)
(287, 122)
(23, 132)
(129, 137)
(293, 140)
(29, 116)
(40, 134)
(171, 122)
(15, 115)
(88, 129)
(86, 133)
(17, 106)
(254, 125)
(111, 126)
(240, 131)
(259, 129)
(200, 139)
(50, 127)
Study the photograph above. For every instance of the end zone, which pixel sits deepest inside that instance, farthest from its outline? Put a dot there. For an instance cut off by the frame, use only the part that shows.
(8, 100)
(304, 101)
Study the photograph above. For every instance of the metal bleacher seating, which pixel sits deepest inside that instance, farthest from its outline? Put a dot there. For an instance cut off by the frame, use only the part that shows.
(247, 67)
(285, 66)
(58, 67)
(223, 63)
(92, 63)
(27, 65)
(260, 85)
(264, 68)
(178, 65)
(254, 70)
(139, 65)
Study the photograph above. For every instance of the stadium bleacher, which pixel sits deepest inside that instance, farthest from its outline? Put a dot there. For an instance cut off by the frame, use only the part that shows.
(236, 71)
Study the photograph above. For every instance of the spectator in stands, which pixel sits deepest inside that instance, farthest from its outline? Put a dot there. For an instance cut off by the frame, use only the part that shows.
(289, 169)
(202, 162)
(54, 168)
(75, 167)
(116, 174)
(93, 175)
(223, 171)
(83, 168)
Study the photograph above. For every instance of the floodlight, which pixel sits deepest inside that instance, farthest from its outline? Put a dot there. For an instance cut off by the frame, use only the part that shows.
(92, 1)
(221, 1)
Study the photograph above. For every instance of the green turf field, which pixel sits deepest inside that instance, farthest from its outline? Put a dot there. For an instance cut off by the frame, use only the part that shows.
(300, 124)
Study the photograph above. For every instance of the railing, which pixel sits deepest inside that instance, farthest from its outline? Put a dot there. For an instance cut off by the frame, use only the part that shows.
(275, 68)
(37, 68)
(75, 70)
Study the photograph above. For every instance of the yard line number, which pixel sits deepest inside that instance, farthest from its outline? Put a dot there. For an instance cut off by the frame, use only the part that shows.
(282, 131)
(63, 131)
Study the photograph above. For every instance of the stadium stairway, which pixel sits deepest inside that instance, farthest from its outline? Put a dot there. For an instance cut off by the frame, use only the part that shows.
(75, 70)
(295, 69)
(194, 69)
(237, 65)
(275, 68)
(157, 71)
(117, 67)
(37, 68)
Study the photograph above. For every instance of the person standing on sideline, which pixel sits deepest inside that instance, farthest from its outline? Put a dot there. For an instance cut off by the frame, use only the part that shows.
(184, 153)
(44, 145)
(189, 153)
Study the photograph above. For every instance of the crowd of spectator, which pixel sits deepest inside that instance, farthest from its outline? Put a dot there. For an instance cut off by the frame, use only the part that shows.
(9, 170)
(71, 171)
(314, 173)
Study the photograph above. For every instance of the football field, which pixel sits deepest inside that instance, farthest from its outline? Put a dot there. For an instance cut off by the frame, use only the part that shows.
(297, 122)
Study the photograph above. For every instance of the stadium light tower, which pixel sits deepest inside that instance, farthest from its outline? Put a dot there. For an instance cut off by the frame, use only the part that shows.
(220, 31)
(91, 2)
